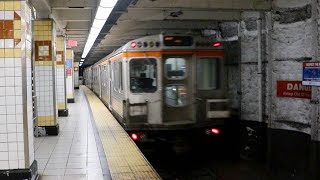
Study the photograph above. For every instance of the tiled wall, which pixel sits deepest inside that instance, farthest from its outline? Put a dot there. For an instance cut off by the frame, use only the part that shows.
(69, 74)
(16, 123)
(76, 74)
(45, 79)
(60, 73)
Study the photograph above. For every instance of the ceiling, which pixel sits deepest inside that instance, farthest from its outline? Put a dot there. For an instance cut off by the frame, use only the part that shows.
(132, 19)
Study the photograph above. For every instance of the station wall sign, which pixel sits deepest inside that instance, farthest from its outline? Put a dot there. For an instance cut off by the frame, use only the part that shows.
(311, 73)
(72, 43)
(293, 89)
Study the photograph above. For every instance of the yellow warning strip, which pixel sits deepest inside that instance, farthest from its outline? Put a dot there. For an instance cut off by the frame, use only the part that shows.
(124, 158)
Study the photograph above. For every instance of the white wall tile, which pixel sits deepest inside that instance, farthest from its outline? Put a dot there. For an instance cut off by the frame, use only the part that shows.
(3, 129)
(20, 137)
(9, 15)
(1, 41)
(19, 128)
(4, 164)
(8, 43)
(14, 164)
(10, 100)
(4, 147)
(20, 146)
(10, 91)
(13, 146)
(22, 164)
(1, 15)
(2, 102)
(13, 155)
(19, 109)
(9, 62)
(2, 81)
(4, 156)
(3, 119)
(11, 109)
(3, 138)
(2, 91)
(12, 128)
(10, 80)
(11, 119)
(12, 137)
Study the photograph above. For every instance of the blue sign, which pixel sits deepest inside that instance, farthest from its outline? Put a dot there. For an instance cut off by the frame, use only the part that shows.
(69, 64)
(311, 73)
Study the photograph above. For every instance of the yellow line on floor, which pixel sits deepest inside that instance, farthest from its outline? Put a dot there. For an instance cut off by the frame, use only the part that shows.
(124, 158)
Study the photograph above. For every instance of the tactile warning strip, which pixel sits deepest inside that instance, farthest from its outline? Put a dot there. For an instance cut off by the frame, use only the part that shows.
(124, 158)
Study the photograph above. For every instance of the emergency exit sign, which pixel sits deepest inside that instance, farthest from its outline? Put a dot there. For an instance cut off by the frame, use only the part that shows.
(72, 43)
(293, 89)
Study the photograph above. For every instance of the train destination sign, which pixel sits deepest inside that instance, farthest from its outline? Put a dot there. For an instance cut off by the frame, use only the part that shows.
(311, 73)
(293, 89)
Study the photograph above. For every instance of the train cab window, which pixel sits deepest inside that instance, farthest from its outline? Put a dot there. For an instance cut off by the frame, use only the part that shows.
(143, 75)
(207, 73)
(176, 95)
(175, 68)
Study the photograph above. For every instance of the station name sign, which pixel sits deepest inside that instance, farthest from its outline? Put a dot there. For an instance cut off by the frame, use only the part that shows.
(293, 89)
(311, 73)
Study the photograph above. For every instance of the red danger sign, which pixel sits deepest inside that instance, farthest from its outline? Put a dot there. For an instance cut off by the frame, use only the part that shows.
(293, 89)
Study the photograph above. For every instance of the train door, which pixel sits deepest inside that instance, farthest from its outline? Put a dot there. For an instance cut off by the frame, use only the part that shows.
(210, 90)
(177, 85)
(109, 75)
(104, 83)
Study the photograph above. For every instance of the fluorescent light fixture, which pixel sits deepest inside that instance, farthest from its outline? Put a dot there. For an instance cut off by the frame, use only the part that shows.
(81, 60)
(80, 64)
(98, 23)
(108, 3)
(103, 12)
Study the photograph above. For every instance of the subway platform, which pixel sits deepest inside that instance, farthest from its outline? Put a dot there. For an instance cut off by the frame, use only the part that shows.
(91, 145)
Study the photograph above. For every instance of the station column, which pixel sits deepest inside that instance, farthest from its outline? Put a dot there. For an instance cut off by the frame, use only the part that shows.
(61, 77)
(16, 124)
(45, 78)
(76, 75)
(69, 76)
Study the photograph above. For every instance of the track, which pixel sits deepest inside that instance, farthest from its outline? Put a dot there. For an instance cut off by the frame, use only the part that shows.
(202, 162)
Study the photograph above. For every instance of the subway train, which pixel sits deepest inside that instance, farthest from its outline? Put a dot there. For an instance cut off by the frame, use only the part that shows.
(163, 84)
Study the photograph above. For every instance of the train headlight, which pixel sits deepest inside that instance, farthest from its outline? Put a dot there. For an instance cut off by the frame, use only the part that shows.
(138, 110)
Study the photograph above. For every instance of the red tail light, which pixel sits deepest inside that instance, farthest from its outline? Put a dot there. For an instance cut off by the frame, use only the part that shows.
(134, 136)
(215, 131)
(217, 44)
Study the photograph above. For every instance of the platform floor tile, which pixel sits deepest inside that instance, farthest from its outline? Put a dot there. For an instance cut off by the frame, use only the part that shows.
(124, 158)
(75, 153)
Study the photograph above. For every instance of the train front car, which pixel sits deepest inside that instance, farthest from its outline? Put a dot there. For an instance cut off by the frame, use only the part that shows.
(174, 85)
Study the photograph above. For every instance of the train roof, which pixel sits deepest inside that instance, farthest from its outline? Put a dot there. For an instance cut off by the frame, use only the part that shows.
(167, 42)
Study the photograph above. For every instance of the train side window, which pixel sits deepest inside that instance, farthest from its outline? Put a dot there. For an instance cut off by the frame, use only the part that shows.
(143, 75)
(176, 95)
(175, 68)
(208, 73)
(117, 75)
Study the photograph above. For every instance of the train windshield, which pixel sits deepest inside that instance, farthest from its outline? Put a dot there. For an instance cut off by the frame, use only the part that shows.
(143, 75)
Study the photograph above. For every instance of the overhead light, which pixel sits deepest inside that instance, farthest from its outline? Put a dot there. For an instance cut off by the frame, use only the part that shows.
(103, 12)
(81, 60)
(108, 3)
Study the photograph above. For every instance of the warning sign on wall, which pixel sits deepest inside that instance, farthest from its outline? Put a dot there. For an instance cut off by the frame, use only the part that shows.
(293, 89)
